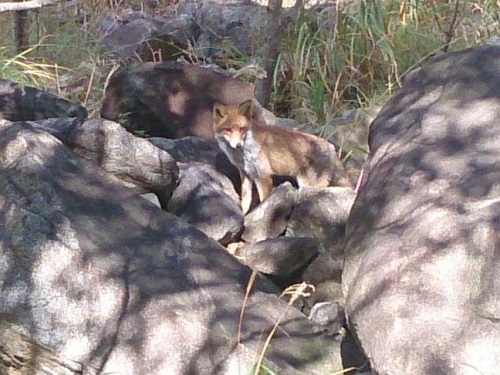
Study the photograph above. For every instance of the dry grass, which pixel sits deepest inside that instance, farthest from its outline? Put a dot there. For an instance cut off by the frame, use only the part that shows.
(65, 57)
(355, 56)
(331, 61)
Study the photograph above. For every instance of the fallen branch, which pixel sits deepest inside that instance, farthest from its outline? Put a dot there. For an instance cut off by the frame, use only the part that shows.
(26, 5)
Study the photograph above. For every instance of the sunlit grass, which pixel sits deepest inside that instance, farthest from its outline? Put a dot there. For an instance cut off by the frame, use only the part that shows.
(325, 69)
(330, 62)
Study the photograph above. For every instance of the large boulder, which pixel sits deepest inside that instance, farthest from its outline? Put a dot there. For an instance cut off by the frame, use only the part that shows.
(20, 102)
(269, 218)
(96, 279)
(135, 161)
(321, 213)
(170, 99)
(421, 275)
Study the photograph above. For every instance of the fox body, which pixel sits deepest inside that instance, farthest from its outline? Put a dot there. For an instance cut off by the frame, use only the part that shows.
(261, 152)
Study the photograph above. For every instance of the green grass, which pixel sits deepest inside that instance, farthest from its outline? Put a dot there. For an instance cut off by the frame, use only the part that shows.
(359, 60)
(328, 63)
(65, 57)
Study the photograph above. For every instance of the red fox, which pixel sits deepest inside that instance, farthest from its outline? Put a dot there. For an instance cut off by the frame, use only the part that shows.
(261, 152)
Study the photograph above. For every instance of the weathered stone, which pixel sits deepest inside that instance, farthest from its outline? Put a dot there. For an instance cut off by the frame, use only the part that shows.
(189, 149)
(132, 159)
(19, 355)
(270, 218)
(135, 161)
(97, 275)
(325, 273)
(321, 213)
(280, 257)
(25, 103)
(330, 316)
(423, 238)
(170, 99)
(198, 150)
(206, 199)
(152, 198)
(147, 39)
(60, 127)
(235, 24)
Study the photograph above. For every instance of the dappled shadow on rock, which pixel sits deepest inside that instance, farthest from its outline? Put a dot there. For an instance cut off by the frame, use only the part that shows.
(98, 275)
(19, 102)
(170, 99)
(423, 236)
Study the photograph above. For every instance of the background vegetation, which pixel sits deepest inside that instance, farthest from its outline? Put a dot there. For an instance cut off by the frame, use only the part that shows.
(332, 58)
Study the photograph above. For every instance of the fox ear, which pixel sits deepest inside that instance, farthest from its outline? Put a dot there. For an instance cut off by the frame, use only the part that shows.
(246, 108)
(219, 111)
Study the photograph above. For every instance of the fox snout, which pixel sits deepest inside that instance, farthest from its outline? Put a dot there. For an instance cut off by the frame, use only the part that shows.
(235, 143)
(236, 139)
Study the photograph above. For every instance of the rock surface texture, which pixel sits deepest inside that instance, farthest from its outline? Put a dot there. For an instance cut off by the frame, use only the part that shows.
(109, 283)
(96, 279)
(421, 276)
(22, 103)
(170, 99)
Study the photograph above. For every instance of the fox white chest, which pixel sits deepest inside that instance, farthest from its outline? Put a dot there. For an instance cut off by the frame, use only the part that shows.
(246, 158)
(251, 152)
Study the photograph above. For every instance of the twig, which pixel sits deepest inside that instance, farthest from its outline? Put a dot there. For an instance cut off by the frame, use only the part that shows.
(453, 25)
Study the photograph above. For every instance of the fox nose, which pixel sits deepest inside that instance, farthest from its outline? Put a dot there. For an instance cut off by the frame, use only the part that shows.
(236, 144)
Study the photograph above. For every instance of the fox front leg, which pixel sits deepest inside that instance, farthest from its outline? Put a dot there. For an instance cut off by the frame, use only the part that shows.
(246, 193)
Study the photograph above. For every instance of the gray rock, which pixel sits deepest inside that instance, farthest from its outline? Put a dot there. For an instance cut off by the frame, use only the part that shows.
(325, 273)
(60, 127)
(133, 160)
(279, 257)
(137, 163)
(189, 149)
(328, 315)
(152, 198)
(270, 218)
(206, 199)
(321, 213)
(493, 41)
(100, 277)
(423, 239)
(194, 149)
(170, 99)
(236, 24)
(19, 102)
(22, 355)
(139, 38)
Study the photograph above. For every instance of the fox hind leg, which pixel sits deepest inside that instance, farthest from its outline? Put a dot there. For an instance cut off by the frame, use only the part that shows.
(246, 192)
(312, 180)
(264, 187)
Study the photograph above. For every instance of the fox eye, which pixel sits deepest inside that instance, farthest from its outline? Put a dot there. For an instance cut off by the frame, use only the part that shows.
(243, 129)
(227, 130)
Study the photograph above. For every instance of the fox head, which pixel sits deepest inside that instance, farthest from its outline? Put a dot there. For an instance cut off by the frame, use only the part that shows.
(233, 122)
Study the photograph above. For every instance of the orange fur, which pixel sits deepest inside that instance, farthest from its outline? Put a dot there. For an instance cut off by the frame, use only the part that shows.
(261, 152)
